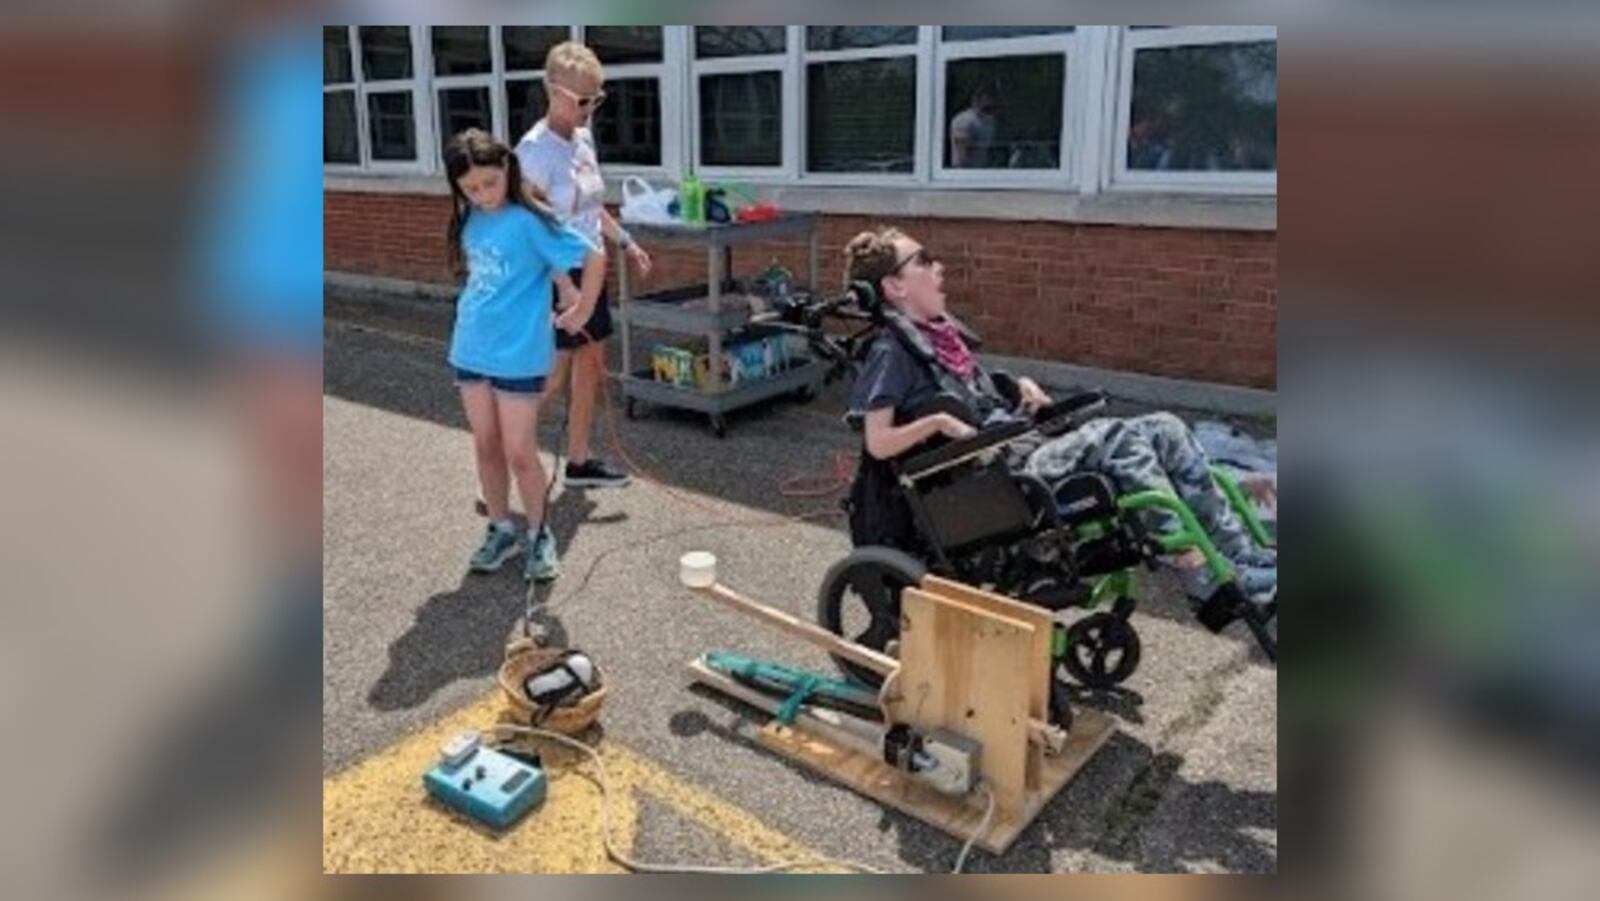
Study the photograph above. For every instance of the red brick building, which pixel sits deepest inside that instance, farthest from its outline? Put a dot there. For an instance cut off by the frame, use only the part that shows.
(1114, 208)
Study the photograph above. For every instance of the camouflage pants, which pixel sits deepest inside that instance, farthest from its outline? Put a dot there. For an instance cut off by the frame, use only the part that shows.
(1147, 453)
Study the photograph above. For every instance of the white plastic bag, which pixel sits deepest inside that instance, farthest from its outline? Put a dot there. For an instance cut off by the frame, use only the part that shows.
(646, 205)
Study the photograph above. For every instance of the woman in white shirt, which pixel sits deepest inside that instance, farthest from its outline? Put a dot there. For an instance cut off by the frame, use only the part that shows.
(558, 155)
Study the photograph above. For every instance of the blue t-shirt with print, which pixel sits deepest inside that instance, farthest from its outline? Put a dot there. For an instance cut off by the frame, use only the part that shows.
(503, 326)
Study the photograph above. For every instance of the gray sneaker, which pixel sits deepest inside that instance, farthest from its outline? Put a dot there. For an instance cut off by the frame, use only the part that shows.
(499, 545)
(1259, 584)
(542, 564)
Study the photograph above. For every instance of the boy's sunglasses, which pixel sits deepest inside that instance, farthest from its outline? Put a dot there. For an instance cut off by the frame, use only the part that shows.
(593, 100)
(922, 257)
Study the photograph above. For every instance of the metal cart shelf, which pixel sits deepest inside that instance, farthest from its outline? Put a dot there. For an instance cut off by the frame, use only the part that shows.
(698, 310)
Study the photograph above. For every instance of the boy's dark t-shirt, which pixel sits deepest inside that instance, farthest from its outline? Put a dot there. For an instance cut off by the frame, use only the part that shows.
(890, 377)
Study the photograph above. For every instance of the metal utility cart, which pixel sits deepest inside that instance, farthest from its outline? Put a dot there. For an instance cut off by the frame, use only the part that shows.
(681, 311)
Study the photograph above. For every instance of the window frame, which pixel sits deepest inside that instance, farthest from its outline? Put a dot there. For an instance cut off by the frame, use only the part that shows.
(946, 52)
(363, 87)
(785, 64)
(920, 50)
(1118, 176)
(1096, 102)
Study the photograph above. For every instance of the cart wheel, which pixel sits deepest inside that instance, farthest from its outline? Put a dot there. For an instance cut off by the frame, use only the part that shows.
(1102, 650)
(719, 427)
(629, 410)
(860, 600)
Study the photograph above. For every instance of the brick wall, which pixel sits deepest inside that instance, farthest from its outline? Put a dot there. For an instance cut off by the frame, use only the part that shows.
(1184, 303)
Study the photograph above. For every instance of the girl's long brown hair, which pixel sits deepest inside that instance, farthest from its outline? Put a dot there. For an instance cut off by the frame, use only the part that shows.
(476, 147)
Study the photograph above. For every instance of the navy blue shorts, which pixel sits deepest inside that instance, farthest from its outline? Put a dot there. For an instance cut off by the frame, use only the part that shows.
(598, 328)
(534, 385)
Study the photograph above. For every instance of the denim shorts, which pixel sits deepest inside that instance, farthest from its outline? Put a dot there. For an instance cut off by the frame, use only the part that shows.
(533, 385)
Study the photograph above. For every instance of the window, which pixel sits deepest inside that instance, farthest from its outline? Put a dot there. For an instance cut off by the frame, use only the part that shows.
(741, 118)
(340, 127)
(339, 141)
(525, 105)
(846, 37)
(464, 108)
(1001, 113)
(861, 99)
(1004, 113)
(741, 77)
(627, 127)
(987, 32)
(369, 96)
(526, 47)
(464, 81)
(392, 126)
(620, 45)
(630, 128)
(461, 50)
(716, 42)
(1044, 107)
(385, 52)
(1198, 108)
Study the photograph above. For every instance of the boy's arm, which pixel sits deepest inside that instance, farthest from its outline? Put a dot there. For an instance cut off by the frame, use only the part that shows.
(885, 440)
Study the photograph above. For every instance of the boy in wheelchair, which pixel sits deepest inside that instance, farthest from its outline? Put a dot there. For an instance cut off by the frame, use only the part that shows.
(922, 360)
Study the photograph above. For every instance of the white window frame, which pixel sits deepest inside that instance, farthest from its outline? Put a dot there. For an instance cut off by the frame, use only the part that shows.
(505, 76)
(670, 87)
(921, 52)
(353, 88)
(945, 52)
(416, 84)
(1097, 101)
(786, 65)
(491, 80)
(1118, 176)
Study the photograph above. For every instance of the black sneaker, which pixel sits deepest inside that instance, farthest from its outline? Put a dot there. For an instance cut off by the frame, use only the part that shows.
(594, 474)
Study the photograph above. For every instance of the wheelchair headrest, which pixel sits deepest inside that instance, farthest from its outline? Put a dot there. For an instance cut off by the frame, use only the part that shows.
(866, 297)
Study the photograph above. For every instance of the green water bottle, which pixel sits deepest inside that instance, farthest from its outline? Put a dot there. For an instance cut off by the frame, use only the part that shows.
(692, 200)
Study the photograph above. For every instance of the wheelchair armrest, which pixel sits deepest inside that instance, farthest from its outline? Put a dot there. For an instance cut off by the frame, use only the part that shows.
(1006, 385)
(960, 450)
(1066, 414)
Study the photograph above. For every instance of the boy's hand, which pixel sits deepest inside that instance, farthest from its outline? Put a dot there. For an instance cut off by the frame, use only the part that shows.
(951, 427)
(1033, 397)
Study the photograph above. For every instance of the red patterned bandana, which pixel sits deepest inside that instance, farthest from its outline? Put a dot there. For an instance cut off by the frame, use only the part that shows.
(948, 346)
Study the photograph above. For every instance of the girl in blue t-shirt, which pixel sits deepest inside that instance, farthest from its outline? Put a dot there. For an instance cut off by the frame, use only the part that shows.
(504, 239)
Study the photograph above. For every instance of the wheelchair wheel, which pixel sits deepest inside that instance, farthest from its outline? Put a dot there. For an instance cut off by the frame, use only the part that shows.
(860, 600)
(1102, 650)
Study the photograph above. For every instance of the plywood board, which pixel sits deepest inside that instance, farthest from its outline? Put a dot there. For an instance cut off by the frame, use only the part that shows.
(1039, 658)
(964, 669)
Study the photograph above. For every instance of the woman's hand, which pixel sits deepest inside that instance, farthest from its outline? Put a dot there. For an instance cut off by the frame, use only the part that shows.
(1033, 397)
(567, 295)
(640, 259)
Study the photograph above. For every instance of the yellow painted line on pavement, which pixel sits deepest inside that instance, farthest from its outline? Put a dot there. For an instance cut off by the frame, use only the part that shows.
(377, 817)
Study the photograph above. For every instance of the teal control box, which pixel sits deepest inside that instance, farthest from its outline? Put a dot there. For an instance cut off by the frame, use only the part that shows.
(484, 783)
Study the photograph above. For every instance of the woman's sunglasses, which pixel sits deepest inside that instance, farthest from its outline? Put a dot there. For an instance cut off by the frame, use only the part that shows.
(584, 102)
(922, 257)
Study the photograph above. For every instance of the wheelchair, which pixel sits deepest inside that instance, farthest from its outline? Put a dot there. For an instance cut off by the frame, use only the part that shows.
(956, 509)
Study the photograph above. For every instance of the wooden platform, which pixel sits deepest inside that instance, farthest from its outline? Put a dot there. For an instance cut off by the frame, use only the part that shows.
(835, 746)
(958, 817)
(970, 662)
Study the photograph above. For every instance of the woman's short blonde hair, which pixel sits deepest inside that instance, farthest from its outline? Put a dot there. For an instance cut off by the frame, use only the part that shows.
(570, 62)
